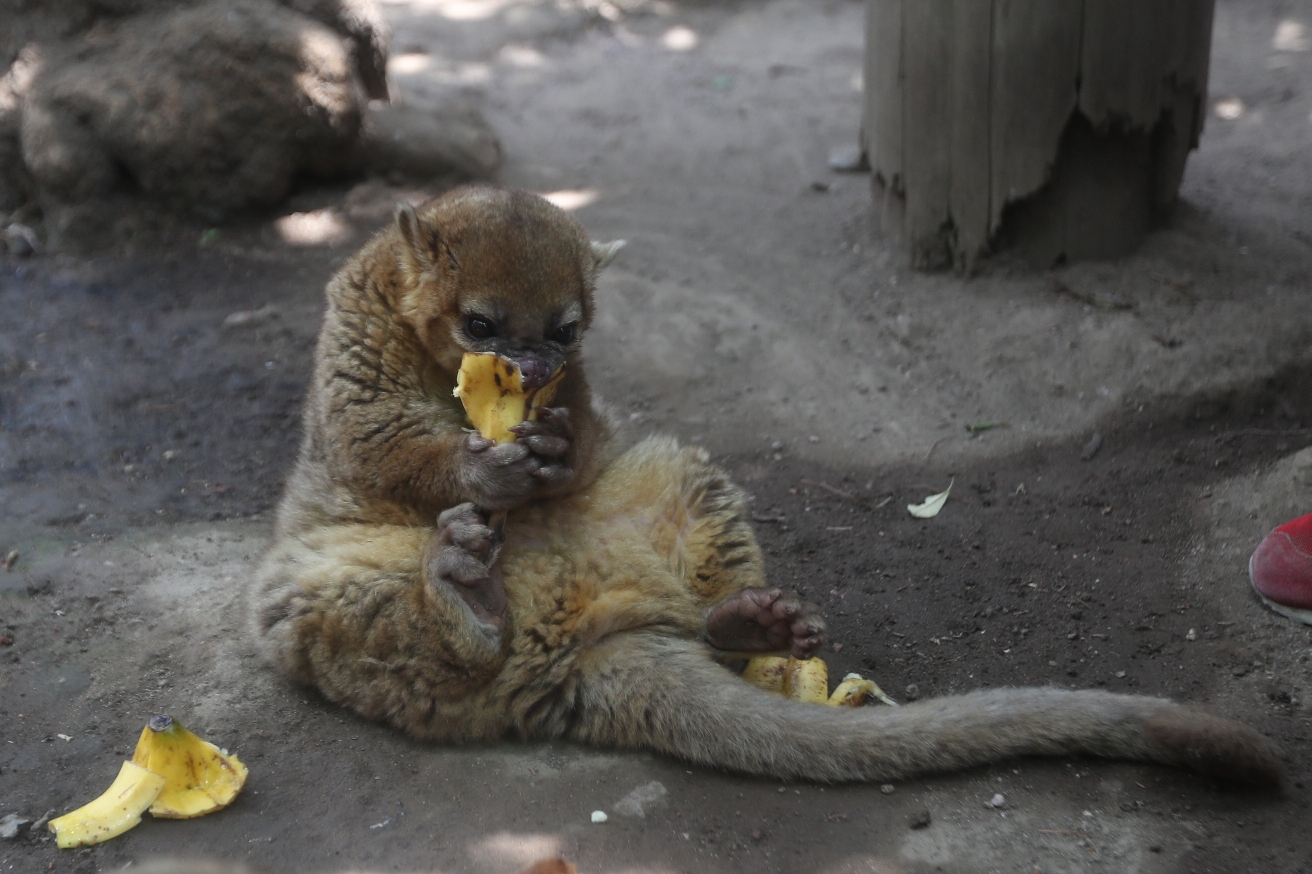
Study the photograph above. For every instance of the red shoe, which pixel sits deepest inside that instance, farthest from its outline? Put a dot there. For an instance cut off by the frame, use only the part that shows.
(1281, 569)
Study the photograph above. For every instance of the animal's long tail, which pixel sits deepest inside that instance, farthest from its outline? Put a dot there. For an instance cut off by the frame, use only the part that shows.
(646, 690)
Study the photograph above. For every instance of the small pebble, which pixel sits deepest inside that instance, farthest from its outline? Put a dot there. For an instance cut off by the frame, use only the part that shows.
(599, 816)
(913, 692)
(11, 825)
(887, 788)
(848, 159)
(1192, 635)
(21, 239)
(777, 445)
(919, 819)
(997, 802)
(757, 834)
(1091, 448)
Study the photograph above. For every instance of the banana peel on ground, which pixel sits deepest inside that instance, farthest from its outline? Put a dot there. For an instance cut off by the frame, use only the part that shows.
(808, 680)
(114, 812)
(173, 774)
(492, 390)
(201, 778)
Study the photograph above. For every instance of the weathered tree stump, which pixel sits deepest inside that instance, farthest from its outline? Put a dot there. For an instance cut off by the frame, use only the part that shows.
(1056, 128)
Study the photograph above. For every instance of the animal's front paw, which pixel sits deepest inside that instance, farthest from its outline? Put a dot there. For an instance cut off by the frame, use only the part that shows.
(765, 620)
(461, 555)
(549, 438)
(497, 476)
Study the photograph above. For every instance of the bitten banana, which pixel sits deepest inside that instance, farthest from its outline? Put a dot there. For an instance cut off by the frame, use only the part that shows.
(201, 778)
(808, 680)
(116, 811)
(492, 390)
(766, 672)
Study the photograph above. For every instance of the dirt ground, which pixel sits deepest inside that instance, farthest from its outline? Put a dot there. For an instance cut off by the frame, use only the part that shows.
(757, 310)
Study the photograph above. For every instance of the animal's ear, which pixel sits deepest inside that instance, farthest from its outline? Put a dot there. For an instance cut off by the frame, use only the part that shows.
(604, 253)
(423, 247)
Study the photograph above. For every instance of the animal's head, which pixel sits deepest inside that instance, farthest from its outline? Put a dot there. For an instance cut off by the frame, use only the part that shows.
(490, 270)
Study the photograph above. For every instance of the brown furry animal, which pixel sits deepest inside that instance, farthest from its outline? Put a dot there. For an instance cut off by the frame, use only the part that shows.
(621, 585)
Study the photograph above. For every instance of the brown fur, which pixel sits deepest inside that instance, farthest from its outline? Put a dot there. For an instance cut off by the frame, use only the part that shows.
(608, 585)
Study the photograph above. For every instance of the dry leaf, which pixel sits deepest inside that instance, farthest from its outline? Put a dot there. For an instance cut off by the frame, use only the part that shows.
(932, 505)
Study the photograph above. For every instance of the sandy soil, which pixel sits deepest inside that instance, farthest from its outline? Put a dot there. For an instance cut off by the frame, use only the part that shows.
(757, 311)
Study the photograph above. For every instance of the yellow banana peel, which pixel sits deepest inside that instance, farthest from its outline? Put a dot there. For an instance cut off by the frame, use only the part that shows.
(114, 812)
(173, 774)
(492, 390)
(853, 692)
(200, 777)
(808, 680)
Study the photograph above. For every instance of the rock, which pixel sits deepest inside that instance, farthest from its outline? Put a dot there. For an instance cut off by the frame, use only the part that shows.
(1091, 448)
(848, 159)
(912, 692)
(15, 183)
(642, 799)
(208, 109)
(919, 819)
(11, 826)
(599, 816)
(204, 109)
(448, 140)
(242, 318)
(997, 802)
(887, 788)
(367, 30)
(21, 240)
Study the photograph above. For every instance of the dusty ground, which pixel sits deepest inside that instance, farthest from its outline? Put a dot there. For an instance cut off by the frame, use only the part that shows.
(143, 442)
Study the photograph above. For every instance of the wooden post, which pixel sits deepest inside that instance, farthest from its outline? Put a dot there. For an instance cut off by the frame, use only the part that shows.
(1056, 128)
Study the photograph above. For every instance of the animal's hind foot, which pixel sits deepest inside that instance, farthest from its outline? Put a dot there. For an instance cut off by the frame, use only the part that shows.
(765, 620)
(462, 554)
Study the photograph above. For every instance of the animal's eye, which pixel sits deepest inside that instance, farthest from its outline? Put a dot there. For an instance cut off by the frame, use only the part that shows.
(565, 333)
(480, 327)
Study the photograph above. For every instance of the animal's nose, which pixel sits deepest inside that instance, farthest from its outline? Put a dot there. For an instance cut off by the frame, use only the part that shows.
(534, 371)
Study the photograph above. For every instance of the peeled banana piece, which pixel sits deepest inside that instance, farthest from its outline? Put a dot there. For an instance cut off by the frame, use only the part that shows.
(173, 773)
(808, 680)
(199, 777)
(492, 390)
(767, 672)
(114, 812)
